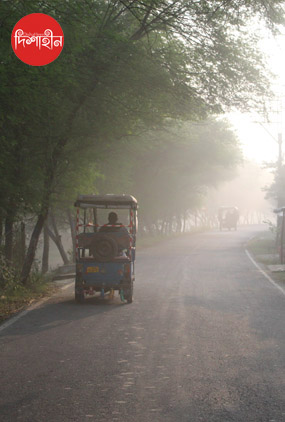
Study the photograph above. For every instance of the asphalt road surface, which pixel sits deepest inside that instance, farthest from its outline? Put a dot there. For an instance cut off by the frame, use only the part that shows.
(202, 341)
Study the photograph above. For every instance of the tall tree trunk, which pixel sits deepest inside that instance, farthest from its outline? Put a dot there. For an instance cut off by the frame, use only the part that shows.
(59, 246)
(196, 220)
(73, 234)
(1, 229)
(51, 167)
(8, 250)
(30, 256)
(168, 228)
(45, 257)
(179, 224)
(149, 228)
(162, 230)
(22, 243)
(55, 236)
(184, 222)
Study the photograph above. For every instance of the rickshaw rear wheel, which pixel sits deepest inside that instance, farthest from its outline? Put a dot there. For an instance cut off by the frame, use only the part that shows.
(128, 293)
(79, 297)
(129, 298)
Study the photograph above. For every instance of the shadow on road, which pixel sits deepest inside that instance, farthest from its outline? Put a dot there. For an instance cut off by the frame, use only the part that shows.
(63, 312)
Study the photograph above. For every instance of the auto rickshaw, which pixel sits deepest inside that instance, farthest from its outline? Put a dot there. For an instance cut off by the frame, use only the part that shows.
(105, 252)
(228, 218)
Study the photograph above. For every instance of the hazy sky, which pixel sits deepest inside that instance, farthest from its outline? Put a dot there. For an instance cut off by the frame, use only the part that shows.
(259, 139)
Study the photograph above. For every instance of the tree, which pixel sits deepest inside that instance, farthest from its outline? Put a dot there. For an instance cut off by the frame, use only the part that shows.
(131, 63)
(169, 170)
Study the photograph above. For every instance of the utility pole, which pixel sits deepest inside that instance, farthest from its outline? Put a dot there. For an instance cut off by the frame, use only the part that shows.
(277, 111)
(280, 159)
(280, 217)
(279, 170)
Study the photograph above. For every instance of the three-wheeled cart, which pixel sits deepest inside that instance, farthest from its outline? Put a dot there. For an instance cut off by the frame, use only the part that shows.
(228, 218)
(105, 253)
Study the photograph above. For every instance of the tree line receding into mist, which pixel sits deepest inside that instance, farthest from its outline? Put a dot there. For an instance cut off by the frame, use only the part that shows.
(113, 111)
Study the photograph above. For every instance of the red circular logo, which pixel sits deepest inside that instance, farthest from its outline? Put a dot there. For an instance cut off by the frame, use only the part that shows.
(37, 39)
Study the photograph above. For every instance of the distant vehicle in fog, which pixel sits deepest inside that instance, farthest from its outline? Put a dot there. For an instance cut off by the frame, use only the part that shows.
(228, 218)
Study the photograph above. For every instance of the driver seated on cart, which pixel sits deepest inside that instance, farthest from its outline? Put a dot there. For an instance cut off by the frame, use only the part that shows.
(114, 227)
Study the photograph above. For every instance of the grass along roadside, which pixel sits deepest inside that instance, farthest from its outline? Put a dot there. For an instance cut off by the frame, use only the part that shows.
(15, 297)
(263, 249)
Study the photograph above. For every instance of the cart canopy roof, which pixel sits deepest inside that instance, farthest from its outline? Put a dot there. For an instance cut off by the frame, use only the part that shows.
(106, 201)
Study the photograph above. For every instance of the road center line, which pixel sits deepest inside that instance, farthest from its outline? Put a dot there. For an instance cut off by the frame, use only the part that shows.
(264, 273)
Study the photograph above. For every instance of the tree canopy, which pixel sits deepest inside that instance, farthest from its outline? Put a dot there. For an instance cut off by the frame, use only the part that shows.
(126, 67)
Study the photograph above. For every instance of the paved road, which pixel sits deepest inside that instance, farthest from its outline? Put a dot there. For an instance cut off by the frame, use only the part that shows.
(203, 341)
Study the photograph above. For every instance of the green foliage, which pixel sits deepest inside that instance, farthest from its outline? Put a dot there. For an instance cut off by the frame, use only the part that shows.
(126, 67)
(13, 295)
(271, 226)
(10, 283)
(131, 64)
(276, 191)
(8, 277)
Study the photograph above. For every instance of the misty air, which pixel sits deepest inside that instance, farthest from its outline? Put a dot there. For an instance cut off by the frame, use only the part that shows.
(142, 211)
